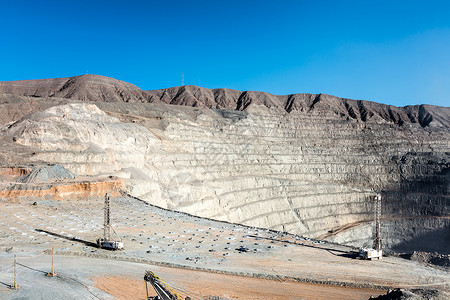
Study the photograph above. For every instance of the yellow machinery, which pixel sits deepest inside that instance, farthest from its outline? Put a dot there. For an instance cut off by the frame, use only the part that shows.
(164, 291)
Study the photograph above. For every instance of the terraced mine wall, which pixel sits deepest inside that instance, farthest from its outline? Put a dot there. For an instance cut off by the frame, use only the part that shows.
(309, 173)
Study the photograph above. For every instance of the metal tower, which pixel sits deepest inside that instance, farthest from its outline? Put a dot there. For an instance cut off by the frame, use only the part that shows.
(107, 224)
(377, 234)
(106, 241)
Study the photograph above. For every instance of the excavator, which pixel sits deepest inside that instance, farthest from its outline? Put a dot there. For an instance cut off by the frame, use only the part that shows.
(164, 291)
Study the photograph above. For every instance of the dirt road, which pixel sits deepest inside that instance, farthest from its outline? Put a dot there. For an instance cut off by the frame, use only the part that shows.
(89, 278)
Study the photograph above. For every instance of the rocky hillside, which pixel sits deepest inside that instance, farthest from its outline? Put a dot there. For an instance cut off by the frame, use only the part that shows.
(100, 88)
(306, 164)
(351, 109)
(84, 88)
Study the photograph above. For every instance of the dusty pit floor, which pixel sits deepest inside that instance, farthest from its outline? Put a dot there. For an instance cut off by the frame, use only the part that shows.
(153, 236)
(90, 278)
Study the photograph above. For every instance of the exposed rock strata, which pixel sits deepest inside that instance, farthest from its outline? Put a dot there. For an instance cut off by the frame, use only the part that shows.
(302, 163)
(52, 182)
(304, 103)
(100, 88)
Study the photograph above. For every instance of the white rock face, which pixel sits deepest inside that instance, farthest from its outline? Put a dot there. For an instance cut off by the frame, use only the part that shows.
(301, 173)
(76, 127)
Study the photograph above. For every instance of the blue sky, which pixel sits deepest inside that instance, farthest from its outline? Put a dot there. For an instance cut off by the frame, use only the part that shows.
(394, 52)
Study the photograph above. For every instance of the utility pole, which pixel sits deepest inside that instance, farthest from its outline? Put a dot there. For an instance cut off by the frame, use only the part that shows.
(182, 79)
(52, 272)
(15, 286)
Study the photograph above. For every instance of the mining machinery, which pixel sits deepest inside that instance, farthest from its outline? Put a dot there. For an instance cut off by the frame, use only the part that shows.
(164, 291)
(376, 251)
(106, 242)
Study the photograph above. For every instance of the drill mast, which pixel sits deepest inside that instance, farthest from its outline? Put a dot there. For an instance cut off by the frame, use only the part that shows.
(376, 251)
(107, 219)
(106, 242)
(377, 237)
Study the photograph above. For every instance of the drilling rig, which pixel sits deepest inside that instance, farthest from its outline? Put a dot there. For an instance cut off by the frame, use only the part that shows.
(375, 251)
(106, 241)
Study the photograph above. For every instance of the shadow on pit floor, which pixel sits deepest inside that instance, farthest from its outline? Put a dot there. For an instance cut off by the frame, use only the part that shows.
(87, 243)
(342, 253)
(33, 269)
(5, 284)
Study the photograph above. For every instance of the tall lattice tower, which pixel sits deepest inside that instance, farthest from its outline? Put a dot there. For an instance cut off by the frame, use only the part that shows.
(107, 223)
(377, 233)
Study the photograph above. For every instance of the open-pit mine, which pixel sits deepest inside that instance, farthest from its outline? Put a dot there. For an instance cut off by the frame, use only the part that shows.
(223, 194)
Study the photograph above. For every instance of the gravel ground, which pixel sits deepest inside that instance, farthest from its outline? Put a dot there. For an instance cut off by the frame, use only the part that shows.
(165, 238)
(90, 278)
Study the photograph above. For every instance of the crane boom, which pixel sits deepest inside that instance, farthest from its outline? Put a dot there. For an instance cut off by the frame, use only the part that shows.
(162, 289)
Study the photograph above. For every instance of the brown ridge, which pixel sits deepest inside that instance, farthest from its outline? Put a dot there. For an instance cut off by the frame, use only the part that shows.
(105, 89)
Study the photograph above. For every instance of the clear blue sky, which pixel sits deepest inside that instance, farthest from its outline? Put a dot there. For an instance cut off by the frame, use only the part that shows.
(394, 52)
